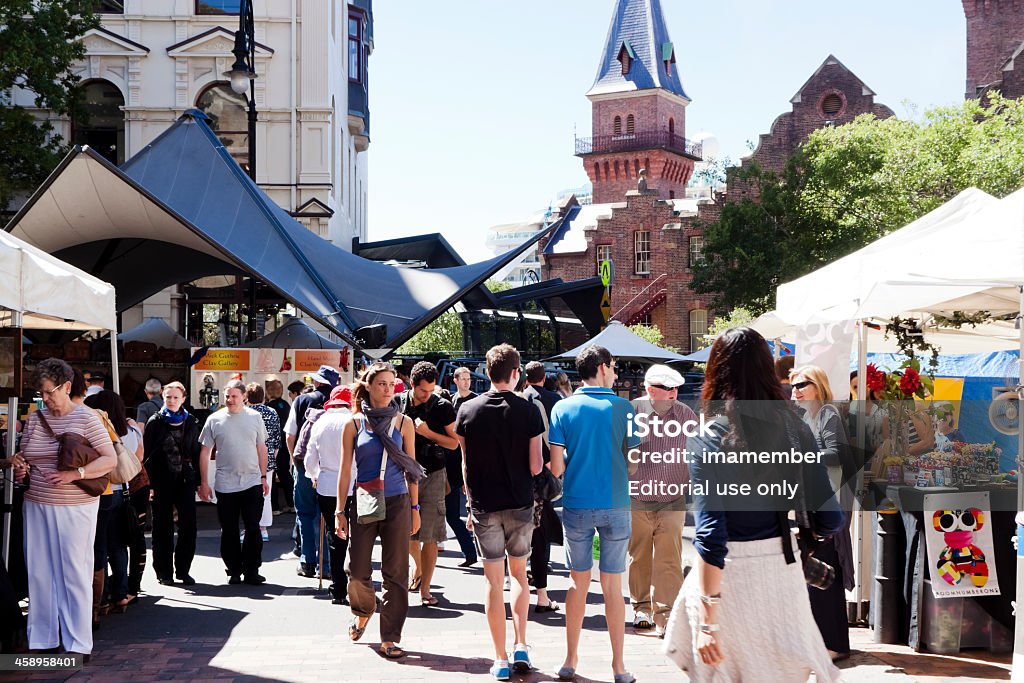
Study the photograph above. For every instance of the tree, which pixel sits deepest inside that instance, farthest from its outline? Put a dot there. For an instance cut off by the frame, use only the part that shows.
(650, 333)
(442, 335)
(848, 186)
(737, 317)
(39, 44)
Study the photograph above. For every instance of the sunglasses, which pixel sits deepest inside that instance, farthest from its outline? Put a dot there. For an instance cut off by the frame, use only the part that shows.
(801, 385)
(663, 387)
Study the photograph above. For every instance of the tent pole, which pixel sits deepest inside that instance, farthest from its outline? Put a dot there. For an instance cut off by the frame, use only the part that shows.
(113, 362)
(858, 512)
(1017, 671)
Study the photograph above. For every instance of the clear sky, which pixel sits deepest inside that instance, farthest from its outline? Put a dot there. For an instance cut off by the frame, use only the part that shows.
(474, 103)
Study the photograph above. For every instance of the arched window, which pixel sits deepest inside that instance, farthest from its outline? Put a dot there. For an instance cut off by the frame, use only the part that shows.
(618, 125)
(630, 125)
(597, 171)
(102, 127)
(228, 119)
(671, 126)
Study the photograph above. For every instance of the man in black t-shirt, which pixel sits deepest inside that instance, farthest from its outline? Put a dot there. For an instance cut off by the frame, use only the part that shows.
(434, 417)
(501, 436)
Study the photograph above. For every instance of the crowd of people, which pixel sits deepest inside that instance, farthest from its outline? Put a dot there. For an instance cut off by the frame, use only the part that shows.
(395, 461)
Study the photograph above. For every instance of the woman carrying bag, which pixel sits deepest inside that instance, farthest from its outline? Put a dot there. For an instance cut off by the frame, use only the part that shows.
(381, 443)
(748, 618)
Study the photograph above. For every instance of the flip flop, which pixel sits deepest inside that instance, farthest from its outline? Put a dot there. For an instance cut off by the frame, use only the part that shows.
(550, 607)
(429, 601)
(392, 651)
(355, 632)
(415, 584)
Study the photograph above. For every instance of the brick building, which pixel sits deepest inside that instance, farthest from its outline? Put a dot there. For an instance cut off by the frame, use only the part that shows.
(995, 43)
(653, 236)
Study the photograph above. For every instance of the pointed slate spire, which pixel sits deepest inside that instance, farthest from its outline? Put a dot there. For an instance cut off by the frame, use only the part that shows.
(638, 53)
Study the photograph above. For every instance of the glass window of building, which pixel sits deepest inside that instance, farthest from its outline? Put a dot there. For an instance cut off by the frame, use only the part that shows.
(642, 251)
(228, 119)
(102, 125)
(355, 48)
(218, 6)
(696, 250)
(698, 329)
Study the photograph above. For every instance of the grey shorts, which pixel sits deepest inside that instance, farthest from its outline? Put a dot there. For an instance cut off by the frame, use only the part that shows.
(503, 532)
(431, 500)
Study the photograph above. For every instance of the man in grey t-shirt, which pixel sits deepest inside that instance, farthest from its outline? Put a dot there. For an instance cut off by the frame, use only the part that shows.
(240, 437)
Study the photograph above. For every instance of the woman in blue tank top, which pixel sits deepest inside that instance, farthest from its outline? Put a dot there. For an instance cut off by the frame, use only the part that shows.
(377, 430)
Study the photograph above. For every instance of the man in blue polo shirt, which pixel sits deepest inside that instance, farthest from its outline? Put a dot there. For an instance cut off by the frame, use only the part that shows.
(589, 441)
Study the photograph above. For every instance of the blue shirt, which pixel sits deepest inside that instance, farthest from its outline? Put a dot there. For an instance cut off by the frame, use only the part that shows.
(368, 452)
(591, 425)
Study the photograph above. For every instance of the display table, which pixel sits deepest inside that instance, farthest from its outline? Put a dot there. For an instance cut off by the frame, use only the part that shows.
(949, 624)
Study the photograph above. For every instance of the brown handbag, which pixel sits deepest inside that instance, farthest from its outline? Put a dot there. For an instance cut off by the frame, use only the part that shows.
(74, 451)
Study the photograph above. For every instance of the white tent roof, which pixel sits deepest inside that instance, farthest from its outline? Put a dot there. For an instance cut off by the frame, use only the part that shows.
(838, 290)
(51, 294)
(978, 271)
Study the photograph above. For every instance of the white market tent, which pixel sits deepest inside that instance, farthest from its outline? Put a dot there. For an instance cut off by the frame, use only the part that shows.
(50, 294)
(966, 256)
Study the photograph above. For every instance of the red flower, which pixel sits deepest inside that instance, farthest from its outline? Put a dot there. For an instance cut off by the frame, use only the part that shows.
(910, 382)
(875, 379)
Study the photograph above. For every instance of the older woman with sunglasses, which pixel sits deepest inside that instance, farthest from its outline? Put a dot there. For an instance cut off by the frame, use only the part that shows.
(812, 392)
(60, 518)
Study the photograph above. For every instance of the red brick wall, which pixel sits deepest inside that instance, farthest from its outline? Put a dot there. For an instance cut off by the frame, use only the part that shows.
(995, 28)
(652, 112)
(790, 130)
(669, 256)
(615, 174)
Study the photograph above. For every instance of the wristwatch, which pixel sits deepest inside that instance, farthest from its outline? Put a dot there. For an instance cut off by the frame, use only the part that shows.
(415, 507)
(81, 473)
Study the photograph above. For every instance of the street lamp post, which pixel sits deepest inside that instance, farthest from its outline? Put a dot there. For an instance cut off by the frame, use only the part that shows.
(243, 72)
(243, 80)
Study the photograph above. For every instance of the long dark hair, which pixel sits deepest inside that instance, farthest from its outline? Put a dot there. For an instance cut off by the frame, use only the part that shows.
(109, 402)
(740, 384)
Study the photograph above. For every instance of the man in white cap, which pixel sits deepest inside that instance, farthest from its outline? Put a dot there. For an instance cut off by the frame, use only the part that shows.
(658, 501)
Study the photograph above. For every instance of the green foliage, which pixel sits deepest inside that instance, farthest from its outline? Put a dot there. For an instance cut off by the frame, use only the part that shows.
(737, 317)
(848, 186)
(38, 46)
(652, 334)
(443, 335)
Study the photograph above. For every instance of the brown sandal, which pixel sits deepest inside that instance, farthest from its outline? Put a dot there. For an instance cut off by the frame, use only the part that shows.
(415, 584)
(392, 651)
(355, 631)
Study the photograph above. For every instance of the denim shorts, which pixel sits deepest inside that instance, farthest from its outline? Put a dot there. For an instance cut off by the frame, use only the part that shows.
(613, 527)
(503, 532)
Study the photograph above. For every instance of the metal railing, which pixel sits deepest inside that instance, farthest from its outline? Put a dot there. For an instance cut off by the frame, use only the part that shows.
(659, 139)
(641, 298)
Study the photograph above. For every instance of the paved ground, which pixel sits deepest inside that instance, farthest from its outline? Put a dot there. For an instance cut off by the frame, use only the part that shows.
(287, 631)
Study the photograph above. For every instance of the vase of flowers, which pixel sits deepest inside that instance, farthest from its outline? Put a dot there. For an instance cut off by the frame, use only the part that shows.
(896, 391)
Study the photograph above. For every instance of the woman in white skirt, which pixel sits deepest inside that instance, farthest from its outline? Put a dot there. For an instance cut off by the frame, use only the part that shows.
(748, 617)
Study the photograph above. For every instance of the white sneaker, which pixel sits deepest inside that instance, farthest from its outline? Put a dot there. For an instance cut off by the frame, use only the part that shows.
(521, 659)
(264, 535)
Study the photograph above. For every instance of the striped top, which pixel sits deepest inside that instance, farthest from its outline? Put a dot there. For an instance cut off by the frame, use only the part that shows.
(40, 451)
(675, 472)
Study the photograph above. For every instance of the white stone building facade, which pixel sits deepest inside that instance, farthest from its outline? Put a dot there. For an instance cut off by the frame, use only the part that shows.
(151, 60)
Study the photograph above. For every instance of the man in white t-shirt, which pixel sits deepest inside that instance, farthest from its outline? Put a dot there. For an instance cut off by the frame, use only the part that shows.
(323, 466)
(240, 437)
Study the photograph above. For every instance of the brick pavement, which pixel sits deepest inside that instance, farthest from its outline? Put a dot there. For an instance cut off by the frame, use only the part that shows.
(287, 631)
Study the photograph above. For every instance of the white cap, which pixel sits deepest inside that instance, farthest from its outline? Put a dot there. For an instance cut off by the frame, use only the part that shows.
(663, 375)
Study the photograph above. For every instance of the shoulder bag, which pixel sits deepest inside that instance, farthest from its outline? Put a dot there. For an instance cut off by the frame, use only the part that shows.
(817, 573)
(128, 466)
(370, 505)
(74, 451)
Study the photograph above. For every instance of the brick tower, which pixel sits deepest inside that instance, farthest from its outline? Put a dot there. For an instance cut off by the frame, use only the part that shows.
(995, 42)
(638, 109)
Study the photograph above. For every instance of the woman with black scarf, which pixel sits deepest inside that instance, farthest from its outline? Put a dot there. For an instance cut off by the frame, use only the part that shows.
(171, 443)
(379, 430)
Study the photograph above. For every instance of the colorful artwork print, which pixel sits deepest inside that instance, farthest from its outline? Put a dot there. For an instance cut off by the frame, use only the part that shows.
(961, 558)
(958, 538)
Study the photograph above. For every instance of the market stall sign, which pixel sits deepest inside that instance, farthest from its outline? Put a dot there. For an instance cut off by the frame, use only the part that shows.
(230, 360)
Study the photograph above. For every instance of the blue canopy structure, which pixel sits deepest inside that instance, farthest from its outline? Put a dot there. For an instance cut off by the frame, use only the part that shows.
(182, 208)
